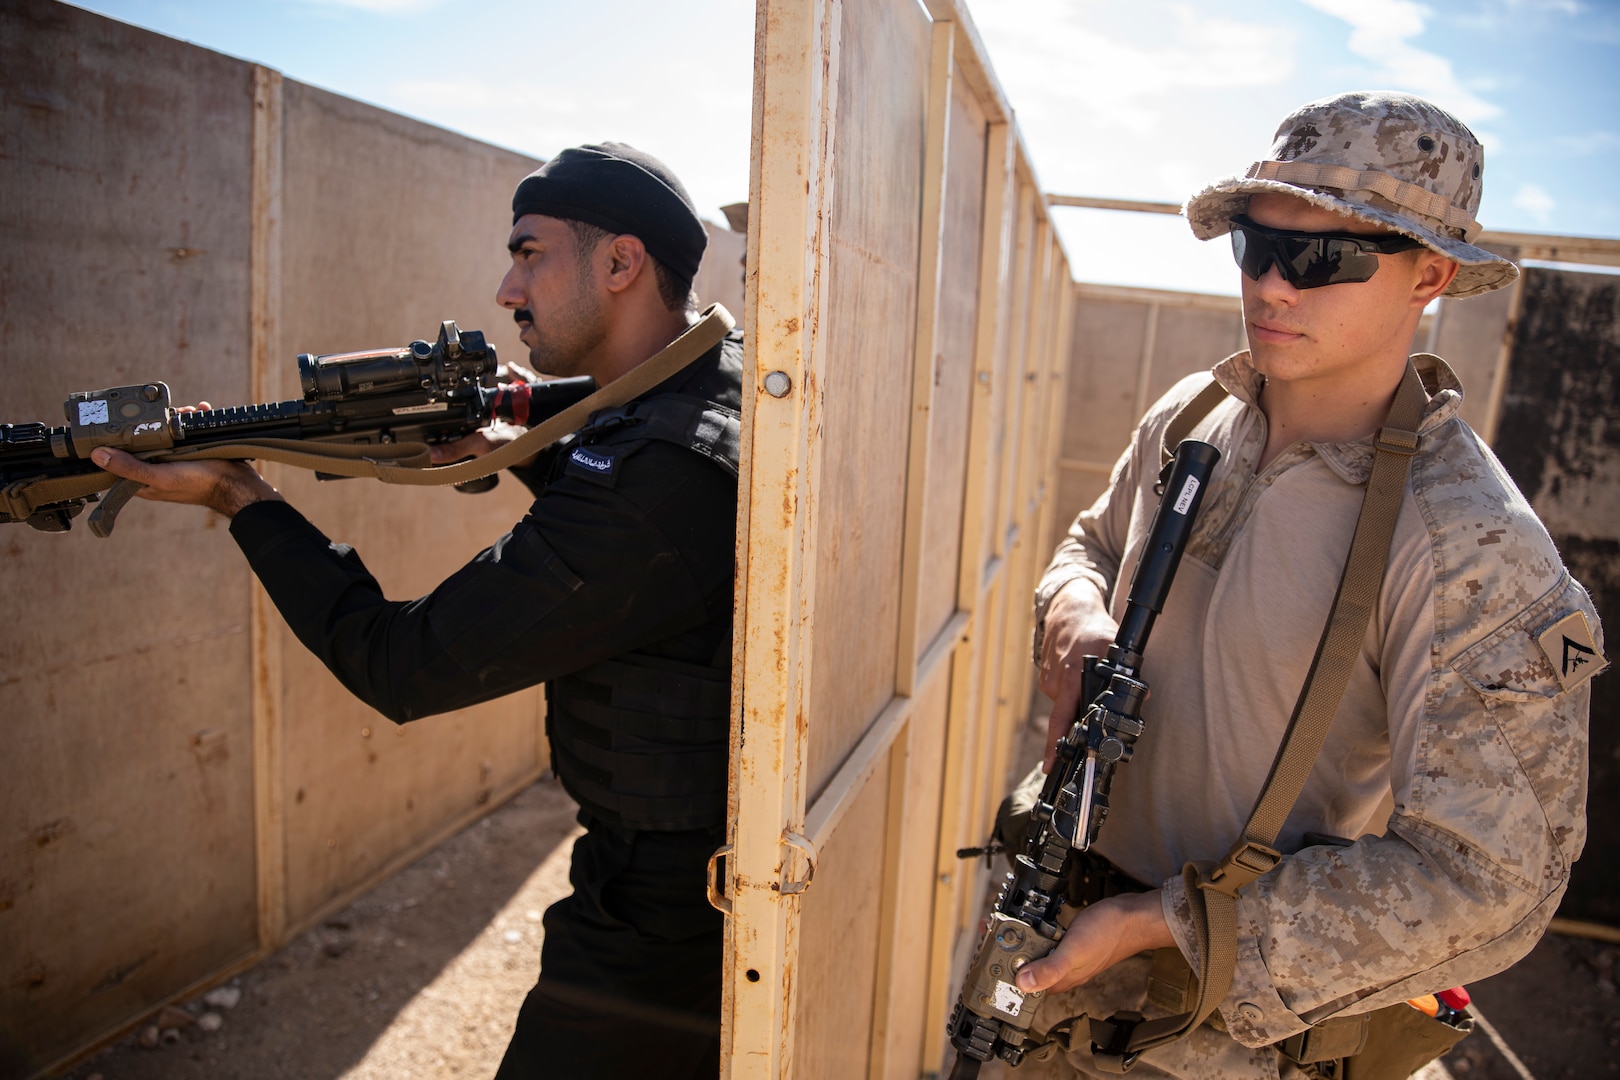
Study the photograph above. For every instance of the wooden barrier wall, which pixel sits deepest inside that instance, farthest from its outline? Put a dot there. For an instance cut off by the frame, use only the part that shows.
(907, 313)
(183, 787)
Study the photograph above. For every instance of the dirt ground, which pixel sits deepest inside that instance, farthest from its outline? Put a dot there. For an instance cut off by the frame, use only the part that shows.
(423, 977)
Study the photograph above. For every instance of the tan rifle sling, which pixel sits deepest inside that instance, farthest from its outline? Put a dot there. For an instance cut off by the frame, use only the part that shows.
(393, 463)
(1212, 891)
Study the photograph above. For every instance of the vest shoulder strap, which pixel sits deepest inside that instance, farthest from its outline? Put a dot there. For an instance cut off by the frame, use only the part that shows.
(692, 422)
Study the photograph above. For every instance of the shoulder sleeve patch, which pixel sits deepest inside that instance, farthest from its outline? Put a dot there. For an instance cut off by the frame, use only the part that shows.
(1570, 648)
(594, 463)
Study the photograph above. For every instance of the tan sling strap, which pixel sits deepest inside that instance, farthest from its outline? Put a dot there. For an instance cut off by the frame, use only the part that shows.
(394, 463)
(1188, 417)
(1212, 894)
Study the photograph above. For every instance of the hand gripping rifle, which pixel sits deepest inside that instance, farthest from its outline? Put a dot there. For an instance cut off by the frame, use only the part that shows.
(992, 1016)
(385, 403)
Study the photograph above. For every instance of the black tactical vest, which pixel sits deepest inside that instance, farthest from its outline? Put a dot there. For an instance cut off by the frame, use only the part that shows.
(642, 741)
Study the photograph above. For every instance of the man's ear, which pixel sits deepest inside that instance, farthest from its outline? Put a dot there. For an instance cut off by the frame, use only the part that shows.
(626, 261)
(1435, 274)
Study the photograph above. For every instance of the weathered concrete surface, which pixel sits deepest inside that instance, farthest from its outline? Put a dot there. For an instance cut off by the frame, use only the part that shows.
(1559, 436)
(126, 780)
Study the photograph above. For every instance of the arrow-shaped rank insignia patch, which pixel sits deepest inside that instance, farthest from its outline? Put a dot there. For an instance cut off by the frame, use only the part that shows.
(1571, 649)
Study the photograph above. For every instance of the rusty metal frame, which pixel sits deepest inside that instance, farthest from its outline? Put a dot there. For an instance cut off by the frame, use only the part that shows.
(789, 250)
(1021, 321)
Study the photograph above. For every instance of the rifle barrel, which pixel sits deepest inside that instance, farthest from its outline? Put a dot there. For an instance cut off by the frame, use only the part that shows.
(1167, 540)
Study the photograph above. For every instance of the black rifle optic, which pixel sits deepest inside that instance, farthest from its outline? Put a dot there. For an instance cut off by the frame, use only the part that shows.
(420, 393)
(992, 1016)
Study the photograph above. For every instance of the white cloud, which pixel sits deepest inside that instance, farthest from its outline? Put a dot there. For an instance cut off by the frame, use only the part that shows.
(1587, 143)
(379, 7)
(1149, 102)
(538, 112)
(1381, 32)
(1561, 7)
(1048, 49)
(1534, 200)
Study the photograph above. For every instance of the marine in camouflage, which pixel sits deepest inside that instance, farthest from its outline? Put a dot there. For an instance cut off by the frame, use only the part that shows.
(1466, 705)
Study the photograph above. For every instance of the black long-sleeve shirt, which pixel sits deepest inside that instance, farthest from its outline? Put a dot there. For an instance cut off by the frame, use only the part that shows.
(637, 558)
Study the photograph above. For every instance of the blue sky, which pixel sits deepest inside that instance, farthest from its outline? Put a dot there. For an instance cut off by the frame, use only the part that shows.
(1144, 100)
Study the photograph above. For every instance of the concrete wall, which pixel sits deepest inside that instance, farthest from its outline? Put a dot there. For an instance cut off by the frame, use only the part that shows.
(127, 867)
(1558, 434)
(182, 786)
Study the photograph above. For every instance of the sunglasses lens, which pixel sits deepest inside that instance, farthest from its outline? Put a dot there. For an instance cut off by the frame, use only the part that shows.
(1252, 252)
(1304, 261)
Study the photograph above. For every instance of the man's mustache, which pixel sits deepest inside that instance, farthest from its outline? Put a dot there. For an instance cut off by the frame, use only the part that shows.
(523, 315)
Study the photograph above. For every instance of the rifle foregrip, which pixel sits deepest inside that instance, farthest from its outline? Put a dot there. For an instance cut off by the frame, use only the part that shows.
(105, 515)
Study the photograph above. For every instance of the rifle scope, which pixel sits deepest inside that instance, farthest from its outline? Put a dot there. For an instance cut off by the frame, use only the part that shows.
(456, 360)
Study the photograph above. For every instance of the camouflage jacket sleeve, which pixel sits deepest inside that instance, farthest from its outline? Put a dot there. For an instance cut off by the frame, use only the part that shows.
(1488, 772)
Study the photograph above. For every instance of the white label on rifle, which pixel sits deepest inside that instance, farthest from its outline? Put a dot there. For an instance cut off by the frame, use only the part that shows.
(1188, 490)
(1009, 999)
(439, 406)
(93, 412)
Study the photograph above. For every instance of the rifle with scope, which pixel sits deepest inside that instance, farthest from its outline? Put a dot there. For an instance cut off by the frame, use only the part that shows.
(992, 1017)
(394, 398)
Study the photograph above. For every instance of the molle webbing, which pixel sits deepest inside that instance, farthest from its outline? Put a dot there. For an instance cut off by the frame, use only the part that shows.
(644, 742)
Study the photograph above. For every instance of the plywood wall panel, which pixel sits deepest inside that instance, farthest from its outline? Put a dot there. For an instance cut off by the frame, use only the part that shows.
(871, 313)
(1189, 340)
(837, 963)
(185, 216)
(955, 343)
(1003, 390)
(720, 276)
(1471, 334)
(917, 792)
(1109, 338)
(125, 258)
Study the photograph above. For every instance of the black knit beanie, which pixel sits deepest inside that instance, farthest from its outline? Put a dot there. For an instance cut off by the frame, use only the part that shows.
(620, 189)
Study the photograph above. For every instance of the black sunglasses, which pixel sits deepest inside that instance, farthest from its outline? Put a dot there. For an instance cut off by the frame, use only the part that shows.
(1309, 260)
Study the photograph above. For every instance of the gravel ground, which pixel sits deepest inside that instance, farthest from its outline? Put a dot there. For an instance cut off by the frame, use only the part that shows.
(423, 978)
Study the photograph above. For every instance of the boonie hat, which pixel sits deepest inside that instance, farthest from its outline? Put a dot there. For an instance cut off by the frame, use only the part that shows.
(1387, 158)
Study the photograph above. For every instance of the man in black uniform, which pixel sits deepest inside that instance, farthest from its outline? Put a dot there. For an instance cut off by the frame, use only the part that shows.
(615, 590)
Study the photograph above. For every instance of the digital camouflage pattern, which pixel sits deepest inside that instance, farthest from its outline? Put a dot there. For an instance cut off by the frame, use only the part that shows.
(1456, 707)
(1397, 135)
